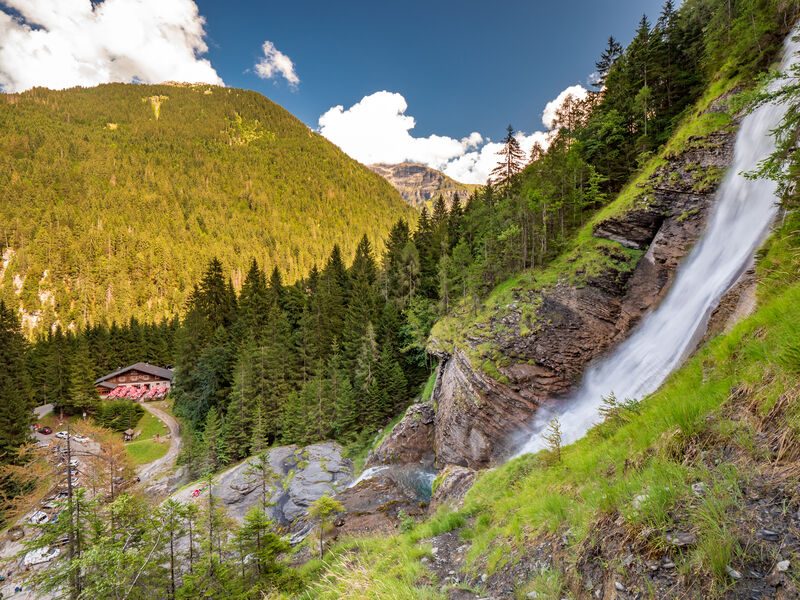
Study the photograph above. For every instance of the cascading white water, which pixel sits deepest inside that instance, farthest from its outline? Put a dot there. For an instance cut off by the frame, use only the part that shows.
(740, 220)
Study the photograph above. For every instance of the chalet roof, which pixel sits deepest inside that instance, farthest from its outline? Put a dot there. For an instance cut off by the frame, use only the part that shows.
(140, 366)
(106, 384)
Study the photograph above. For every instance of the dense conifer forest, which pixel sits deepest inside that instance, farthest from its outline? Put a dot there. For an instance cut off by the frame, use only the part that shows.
(114, 198)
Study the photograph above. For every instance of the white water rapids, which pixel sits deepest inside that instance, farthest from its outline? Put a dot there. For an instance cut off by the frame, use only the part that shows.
(743, 212)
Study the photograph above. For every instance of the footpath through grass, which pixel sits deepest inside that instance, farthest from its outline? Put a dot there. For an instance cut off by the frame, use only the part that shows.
(151, 443)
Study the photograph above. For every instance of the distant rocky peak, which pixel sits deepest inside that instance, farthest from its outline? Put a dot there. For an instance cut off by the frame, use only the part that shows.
(419, 184)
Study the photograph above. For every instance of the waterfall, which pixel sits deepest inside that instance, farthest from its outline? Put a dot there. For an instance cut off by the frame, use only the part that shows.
(743, 212)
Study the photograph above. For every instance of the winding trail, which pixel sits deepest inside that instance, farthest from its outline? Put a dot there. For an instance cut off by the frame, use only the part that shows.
(160, 466)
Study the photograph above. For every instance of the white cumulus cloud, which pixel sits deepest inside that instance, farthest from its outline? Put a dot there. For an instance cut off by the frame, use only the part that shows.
(377, 129)
(477, 165)
(275, 63)
(65, 43)
(551, 108)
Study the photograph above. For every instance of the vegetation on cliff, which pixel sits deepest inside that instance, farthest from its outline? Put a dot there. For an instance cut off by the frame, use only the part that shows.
(538, 229)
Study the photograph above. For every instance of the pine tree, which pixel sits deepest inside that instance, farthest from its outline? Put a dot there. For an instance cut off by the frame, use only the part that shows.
(361, 309)
(553, 438)
(238, 423)
(294, 419)
(454, 220)
(258, 441)
(16, 399)
(425, 244)
(346, 415)
(392, 263)
(537, 151)
(610, 55)
(410, 274)
(253, 304)
(366, 372)
(322, 511)
(512, 160)
(215, 297)
(391, 383)
(276, 289)
(82, 396)
(214, 443)
(274, 368)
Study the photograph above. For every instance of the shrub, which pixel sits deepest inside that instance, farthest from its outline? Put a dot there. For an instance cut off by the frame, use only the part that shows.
(119, 415)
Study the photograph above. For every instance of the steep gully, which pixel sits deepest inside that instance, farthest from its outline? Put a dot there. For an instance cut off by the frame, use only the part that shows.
(606, 336)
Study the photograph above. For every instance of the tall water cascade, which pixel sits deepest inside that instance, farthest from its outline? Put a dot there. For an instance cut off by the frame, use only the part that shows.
(743, 212)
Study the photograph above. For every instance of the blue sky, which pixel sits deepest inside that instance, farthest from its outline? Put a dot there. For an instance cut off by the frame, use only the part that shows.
(462, 66)
(433, 82)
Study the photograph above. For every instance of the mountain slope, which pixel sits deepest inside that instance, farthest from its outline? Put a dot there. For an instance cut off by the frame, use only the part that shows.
(419, 184)
(113, 199)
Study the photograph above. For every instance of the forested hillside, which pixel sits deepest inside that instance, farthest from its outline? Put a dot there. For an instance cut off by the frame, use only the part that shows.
(113, 199)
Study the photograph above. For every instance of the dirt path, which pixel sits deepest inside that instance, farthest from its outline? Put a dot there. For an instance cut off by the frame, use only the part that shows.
(158, 467)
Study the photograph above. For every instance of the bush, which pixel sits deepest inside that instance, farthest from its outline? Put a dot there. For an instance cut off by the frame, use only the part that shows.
(119, 415)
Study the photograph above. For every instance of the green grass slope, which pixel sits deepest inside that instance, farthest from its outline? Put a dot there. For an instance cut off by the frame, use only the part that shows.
(113, 199)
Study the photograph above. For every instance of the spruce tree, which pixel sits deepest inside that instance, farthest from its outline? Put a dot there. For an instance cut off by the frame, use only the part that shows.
(16, 399)
(238, 422)
(345, 420)
(214, 446)
(392, 262)
(512, 160)
(362, 307)
(258, 441)
(253, 304)
(82, 395)
(366, 378)
(611, 53)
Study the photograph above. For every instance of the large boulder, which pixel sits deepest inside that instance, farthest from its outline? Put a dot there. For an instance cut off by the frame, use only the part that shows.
(451, 485)
(304, 474)
(378, 504)
(411, 440)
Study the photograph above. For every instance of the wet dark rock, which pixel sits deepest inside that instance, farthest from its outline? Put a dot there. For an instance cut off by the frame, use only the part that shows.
(411, 440)
(376, 505)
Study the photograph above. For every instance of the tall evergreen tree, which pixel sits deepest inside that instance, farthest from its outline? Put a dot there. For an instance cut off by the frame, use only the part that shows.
(611, 53)
(253, 304)
(82, 395)
(512, 160)
(16, 398)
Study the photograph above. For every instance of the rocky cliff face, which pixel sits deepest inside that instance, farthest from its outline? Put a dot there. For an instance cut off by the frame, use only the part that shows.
(575, 323)
(418, 184)
(411, 440)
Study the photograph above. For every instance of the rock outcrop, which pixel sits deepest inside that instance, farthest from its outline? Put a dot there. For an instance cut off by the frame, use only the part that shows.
(575, 322)
(450, 487)
(411, 440)
(377, 505)
(303, 475)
